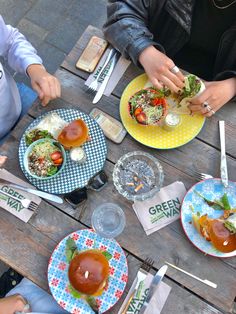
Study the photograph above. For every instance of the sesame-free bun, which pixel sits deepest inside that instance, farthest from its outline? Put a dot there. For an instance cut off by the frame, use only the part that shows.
(88, 272)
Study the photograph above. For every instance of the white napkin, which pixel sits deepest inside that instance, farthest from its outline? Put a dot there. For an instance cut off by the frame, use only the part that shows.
(12, 205)
(157, 301)
(162, 209)
(116, 75)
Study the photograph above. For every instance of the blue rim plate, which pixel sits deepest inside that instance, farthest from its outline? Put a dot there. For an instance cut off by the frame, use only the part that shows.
(211, 189)
(58, 272)
(73, 175)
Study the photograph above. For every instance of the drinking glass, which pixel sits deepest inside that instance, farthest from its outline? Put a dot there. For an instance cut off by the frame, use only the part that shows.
(108, 220)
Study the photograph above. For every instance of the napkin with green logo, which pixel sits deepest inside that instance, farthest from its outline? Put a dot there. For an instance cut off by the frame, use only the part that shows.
(11, 205)
(162, 209)
(156, 303)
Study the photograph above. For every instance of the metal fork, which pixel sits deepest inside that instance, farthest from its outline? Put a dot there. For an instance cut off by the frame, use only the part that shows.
(202, 176)
(92, 88)
(26, 203)
(141, 275)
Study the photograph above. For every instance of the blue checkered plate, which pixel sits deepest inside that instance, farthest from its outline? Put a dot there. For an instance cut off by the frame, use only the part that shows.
(211, 189)
(73, 175)
(58, 273)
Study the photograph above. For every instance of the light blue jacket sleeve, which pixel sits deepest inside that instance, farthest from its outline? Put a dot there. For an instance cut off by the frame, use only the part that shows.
(16, 49)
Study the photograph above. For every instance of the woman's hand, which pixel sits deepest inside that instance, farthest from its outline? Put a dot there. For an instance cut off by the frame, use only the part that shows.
(216, 95)
(158, 68)
(2, 160)
(46, 85)
(12, 304)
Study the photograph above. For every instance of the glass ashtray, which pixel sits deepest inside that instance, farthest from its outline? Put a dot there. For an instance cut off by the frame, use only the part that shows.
(138, 176)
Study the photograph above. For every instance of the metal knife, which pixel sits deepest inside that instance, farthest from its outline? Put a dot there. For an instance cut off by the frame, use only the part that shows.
(154, 284)
(223, 164)
(45, 195)
(106, 79)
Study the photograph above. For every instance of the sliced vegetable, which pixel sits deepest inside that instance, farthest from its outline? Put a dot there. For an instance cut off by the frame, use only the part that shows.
(56, 155)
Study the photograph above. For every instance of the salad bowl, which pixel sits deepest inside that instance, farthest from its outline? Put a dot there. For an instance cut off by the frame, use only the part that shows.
(44, 159)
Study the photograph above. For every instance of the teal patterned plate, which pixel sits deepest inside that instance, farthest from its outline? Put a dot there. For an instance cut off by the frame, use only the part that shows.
(211, 189)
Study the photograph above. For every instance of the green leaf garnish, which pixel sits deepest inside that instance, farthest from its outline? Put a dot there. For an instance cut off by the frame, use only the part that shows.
(225, 201)
(92, 303)
(71, 249)
(74, 292)
(107, 255)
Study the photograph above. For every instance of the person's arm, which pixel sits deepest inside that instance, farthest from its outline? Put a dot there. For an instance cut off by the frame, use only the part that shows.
(12, 304)
(23, 58)
(127, 30)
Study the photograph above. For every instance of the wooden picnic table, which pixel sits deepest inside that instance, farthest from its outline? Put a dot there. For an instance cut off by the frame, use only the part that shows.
(27, 247)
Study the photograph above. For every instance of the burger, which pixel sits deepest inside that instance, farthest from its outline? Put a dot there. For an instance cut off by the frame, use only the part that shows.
(74, 134)
(221, 233)
(88, 272)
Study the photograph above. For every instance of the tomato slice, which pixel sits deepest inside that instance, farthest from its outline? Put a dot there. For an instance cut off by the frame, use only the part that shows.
(137, 111)
(58, 162)
(141, 118)
(56, 155)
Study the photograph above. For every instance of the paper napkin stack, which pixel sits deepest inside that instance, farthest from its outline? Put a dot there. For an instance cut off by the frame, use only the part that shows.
(12, 205)
(162, 209)
(157, 301)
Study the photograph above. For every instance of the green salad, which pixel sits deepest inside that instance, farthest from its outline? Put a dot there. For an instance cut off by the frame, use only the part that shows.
(45, 159)
(36, 134)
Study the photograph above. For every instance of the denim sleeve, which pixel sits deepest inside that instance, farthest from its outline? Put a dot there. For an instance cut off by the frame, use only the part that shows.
(16, 49)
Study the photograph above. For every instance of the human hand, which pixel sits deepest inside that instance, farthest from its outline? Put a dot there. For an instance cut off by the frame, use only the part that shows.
(2, 160)
(158, 68)
(12, 304)
(216, 95)
(46, 85)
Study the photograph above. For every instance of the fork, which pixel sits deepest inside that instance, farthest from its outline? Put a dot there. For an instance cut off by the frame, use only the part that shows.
(28, 204)
(92, 88)
(202, 176)
(141, 275)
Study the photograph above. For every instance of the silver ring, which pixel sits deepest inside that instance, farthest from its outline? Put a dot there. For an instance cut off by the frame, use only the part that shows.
(212, 111)
(174, 70)
(207, 106)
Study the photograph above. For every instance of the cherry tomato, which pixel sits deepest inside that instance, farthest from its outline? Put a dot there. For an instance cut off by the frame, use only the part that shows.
(58, 161)
(137, 111)
(141, 118)
(56, 155)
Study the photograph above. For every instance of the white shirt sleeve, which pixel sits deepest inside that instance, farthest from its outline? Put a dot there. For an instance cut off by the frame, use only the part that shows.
(16, 49)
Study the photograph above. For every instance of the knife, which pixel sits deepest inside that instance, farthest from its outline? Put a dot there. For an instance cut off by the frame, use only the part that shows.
(154, 284)
(45, 195)
(223, 165)
(106, 79)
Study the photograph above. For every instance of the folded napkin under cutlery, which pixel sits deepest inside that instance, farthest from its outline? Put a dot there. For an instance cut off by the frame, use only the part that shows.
(11, 205)
(116, 75)
(156, 303)
(162, 209)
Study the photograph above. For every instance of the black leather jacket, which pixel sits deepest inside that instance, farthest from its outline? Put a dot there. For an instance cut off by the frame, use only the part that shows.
(131, 27)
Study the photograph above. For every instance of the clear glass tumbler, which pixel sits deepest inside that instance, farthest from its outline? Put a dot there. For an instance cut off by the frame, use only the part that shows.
(108, 220)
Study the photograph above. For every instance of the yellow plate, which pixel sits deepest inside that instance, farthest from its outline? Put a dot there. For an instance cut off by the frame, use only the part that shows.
(155, 136)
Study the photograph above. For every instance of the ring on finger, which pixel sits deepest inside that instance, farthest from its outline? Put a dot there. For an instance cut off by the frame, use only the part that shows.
(174, 70)
(212, 111)
(207, 106)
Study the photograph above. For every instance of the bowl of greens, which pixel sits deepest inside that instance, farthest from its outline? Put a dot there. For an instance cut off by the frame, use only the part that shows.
(44, 159)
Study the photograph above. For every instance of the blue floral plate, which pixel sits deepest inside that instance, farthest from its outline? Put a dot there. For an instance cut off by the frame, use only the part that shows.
(211, 189)
(58, 273)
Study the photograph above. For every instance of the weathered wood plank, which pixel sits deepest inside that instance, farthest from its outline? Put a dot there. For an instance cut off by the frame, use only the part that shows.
(209, 134)
(174, 246)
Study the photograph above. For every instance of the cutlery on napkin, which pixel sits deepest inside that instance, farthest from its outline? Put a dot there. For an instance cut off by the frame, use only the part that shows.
(111, 66)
